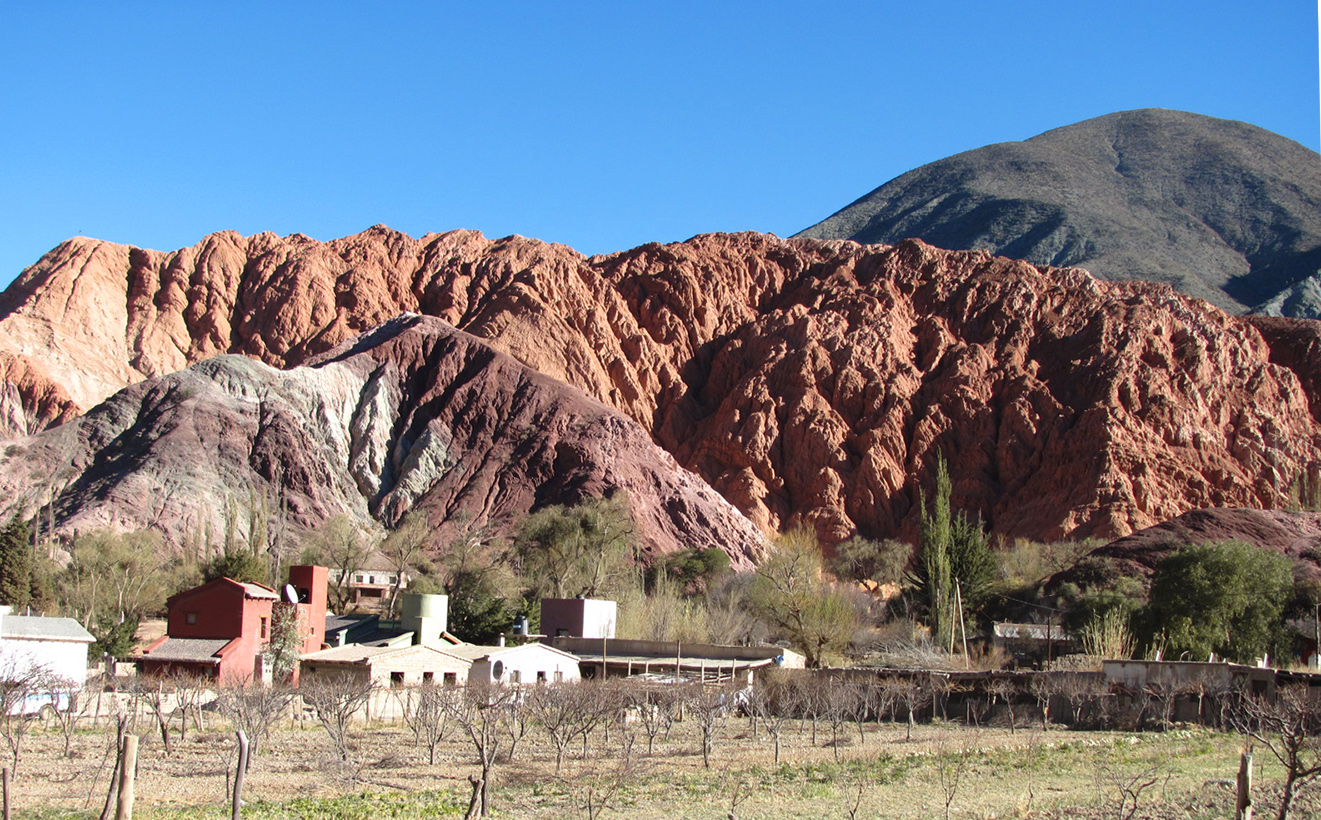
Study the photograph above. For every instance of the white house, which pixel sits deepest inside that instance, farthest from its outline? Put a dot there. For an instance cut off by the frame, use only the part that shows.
(514, 665)
(388, 665)
(57, 645)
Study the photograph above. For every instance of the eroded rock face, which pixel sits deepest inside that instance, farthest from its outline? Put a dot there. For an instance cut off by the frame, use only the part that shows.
(413, 415)
(807, 381)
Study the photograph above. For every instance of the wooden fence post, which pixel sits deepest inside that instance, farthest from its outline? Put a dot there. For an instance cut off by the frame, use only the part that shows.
(238, 775)
(127, 769)
(6, 788)
(1243, 806)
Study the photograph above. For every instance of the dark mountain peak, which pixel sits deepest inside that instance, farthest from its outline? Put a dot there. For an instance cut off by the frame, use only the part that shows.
(1219, 209)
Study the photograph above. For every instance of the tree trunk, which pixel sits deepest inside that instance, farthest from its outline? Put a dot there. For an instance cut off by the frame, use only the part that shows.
(236, 811)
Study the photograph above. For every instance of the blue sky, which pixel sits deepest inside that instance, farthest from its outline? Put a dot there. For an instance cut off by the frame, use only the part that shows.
(598, 125)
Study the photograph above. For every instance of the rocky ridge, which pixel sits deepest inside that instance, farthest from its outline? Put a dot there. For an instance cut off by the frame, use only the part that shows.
(806, 381)
(414, 415)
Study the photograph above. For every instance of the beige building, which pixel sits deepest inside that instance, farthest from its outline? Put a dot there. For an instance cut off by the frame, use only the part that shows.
(388, 666)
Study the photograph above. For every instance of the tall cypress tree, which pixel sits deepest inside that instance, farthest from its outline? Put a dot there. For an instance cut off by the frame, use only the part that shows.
(16, 564)
(955, 564)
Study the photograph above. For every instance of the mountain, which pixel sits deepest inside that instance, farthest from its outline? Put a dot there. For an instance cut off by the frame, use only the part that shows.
(1221, 210)
(413, 415)
(1296, 535)
(806, 381)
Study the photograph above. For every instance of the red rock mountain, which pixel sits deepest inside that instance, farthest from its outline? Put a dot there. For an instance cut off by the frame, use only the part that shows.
(413, 415)
(805, 380)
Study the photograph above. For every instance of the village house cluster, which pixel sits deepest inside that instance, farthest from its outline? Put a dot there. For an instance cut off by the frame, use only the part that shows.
(223, 630)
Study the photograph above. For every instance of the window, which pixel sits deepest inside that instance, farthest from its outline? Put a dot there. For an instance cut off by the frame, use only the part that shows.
(541, 677)
(559, 676)
(428, 677)
(396, 679)
(451, 679)
(515, 676)
(190, 618)
(263, 628)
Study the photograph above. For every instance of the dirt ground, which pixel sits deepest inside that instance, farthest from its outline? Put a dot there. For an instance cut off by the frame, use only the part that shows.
(976, 773)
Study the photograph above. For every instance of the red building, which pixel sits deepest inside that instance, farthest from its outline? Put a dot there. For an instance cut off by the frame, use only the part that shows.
(220, 629)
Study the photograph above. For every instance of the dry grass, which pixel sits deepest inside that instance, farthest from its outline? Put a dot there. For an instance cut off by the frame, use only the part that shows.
(1026, 774)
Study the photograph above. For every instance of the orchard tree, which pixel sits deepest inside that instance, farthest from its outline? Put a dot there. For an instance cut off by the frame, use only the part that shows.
(1226, 598)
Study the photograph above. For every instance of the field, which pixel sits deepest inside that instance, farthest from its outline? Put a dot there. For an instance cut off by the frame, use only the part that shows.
(974, 772)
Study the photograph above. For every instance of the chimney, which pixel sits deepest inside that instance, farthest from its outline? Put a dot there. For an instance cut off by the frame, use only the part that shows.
(309, 583)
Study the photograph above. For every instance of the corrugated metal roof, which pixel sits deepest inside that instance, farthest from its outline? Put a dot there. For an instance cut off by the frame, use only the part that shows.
(474, 652)
(27, 627)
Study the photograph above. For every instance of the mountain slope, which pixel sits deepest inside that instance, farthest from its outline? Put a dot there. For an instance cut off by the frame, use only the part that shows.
(1221, 210)
(412, 416)
(806, 381)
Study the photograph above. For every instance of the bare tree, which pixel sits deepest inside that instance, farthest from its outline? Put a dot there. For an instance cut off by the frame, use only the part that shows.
(596, 791)
(1043, 687)
(1081, 689)
(22, 685)
(864, 703)
(655, 711)
(336, 700)
(560, 710)
(254, 710)
(70, 707)
(1003, 690)
(189, 693)
(914, 694)
(426, 711)
(767, 702)
(402, 548)
(479, 711)
(951, 763)
(155, 696)
(837, 707)
(1122, 789)
(709, 708)
(1290, 728)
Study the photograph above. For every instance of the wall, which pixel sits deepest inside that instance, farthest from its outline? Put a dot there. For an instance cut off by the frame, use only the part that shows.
(63, 659)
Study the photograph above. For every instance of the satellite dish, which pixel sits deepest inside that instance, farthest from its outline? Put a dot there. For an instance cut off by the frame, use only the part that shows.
(290, 594)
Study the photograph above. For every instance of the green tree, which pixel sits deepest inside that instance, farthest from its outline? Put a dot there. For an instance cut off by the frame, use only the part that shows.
(583, 550)
(287, 634)
(16, 564)
(694, 570)
(113, 578)
(238, 564)
(955, 564)
(862, 559)
(1226, 598)
(341, 546)
(790, 595)
(477, 611)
